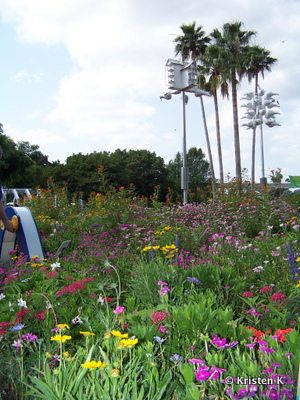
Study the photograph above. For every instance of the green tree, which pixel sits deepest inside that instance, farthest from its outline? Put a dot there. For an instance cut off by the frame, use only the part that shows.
(199, 171)
(259, 61)
(234, 44)
(141, 168)
(22, 165)
(192, 43)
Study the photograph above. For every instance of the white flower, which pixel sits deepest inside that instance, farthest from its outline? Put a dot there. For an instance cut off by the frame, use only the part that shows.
(22, 303)
(11, 309)
(101, 300)
(2, 296)
(55, 265)
(77, 320)
(258, 269)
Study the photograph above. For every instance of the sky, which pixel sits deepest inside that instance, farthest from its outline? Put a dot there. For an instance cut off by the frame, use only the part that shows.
(84, 76)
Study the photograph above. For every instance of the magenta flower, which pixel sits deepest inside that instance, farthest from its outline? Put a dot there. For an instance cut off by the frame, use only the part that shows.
(202, 375)
(162, 283)
(119, 310)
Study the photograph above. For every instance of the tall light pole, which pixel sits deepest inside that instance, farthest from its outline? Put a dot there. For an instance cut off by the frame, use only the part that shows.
(182, 77)
(259, 112)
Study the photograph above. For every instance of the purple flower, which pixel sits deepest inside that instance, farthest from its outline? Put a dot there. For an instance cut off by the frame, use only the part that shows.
(17, 328)
(162, 283)
(231, 345)
(202, 375)
(30, 337)
(267, 350)
(159, 339)
(268, 371)
(251, 345)
(17, 344)
(276, 365)
(176, 359)
(193, 280)
(218, 341)
(164, 290)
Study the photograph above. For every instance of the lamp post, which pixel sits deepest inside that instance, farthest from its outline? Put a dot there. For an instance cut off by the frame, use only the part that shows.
(259, 112)
(182, 77)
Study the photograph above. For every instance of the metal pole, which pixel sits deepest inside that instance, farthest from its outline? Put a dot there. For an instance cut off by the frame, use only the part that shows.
(263, 179)
(184, 170)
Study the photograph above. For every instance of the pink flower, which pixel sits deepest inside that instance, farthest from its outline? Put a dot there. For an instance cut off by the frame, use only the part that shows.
(119, 310)
(266, 289)
(247, 294)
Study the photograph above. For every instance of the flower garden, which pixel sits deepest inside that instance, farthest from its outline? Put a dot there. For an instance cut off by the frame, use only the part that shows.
(155, 300)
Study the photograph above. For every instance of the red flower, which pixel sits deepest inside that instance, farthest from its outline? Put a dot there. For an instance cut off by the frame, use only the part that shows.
(266, 289)
(21, 315)
(40, 315)
(52, 274)
(10, 278)
(4, 325)
(247, 294)
(283, 332)
(257, 334)
(277, 297)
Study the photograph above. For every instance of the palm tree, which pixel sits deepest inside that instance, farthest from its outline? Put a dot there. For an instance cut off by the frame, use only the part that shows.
(212, 65)
(259, 61)
(234, 43)
(192, 44)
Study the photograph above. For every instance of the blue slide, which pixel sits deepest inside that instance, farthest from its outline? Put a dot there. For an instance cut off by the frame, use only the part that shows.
(27, 235)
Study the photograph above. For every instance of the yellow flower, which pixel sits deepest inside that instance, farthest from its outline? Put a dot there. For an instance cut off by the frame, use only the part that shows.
(93, 364)
(115, 373)
(87, 333)
(156, 247)
(59, 338)
(119, 334)
(62, 326)
(68, 356)
(298, 284)
(147, 248)
(129, 342)
(298, 259)
(167, 228)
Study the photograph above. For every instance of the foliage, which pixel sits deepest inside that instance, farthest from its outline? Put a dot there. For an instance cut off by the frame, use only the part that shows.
(198, 293)
(199, 174)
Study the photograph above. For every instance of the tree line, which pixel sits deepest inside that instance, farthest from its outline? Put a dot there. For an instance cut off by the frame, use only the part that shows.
(24, 166)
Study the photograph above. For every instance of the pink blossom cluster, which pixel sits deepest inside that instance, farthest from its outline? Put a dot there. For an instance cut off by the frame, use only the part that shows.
(164, 287)
(158, 316)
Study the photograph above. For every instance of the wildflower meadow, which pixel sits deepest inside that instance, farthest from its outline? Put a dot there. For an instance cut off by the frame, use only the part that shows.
(154, 300)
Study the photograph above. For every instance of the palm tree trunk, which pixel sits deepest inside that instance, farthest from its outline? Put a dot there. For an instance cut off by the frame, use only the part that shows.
(218, 136)
(208, 148)
(237, 149)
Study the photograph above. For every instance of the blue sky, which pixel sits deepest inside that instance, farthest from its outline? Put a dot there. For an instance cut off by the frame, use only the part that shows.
(86, 75)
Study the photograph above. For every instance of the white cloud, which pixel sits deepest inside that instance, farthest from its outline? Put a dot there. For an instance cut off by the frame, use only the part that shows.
(119, 50)
(27, 77)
